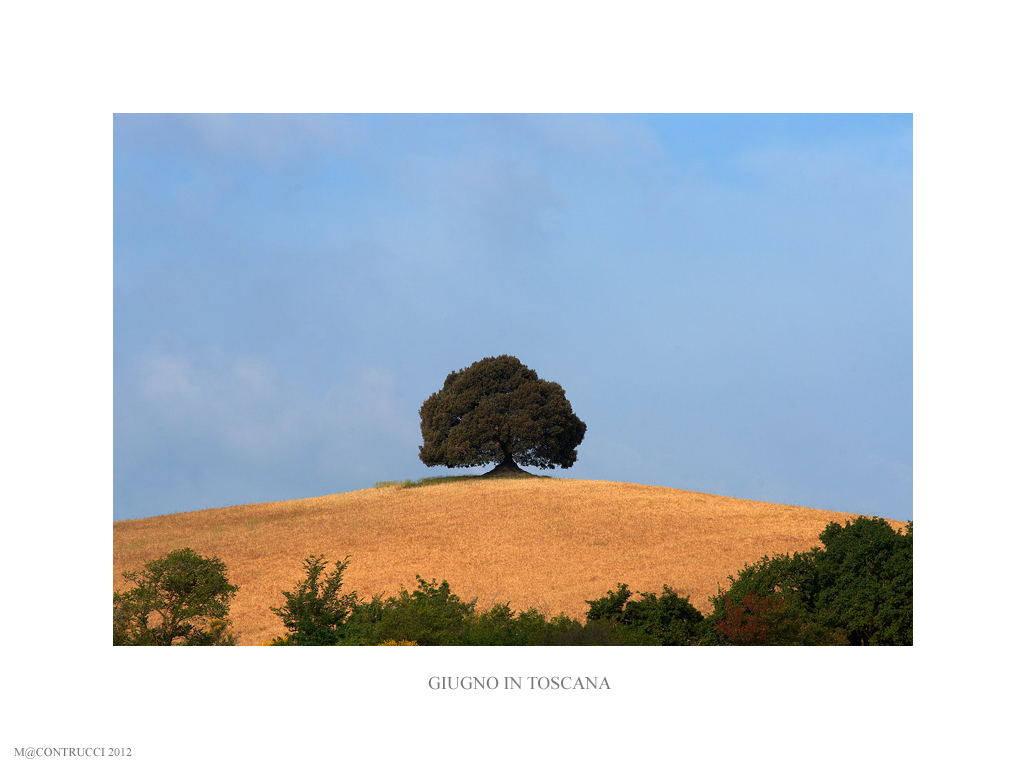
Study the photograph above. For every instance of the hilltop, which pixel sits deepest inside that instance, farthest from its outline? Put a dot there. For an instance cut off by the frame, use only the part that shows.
(533, 542)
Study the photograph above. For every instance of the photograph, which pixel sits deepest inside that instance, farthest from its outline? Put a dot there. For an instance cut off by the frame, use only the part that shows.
(513, 379)
(557, 379)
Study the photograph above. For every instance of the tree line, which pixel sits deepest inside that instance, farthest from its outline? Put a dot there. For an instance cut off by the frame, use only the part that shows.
(855, 589)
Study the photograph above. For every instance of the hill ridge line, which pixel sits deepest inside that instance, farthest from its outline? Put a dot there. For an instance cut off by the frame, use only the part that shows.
(518, 541)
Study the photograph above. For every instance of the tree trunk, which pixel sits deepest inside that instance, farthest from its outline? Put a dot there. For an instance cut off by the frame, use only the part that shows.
(506, 468)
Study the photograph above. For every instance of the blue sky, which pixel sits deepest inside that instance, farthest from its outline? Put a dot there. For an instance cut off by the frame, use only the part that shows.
(726, 300)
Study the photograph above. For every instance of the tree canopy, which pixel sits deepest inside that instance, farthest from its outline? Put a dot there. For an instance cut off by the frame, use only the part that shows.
(499, 411)
(181, 598)
(857, 590)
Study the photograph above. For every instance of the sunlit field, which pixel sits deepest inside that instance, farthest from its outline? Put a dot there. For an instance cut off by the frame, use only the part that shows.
(533, 542)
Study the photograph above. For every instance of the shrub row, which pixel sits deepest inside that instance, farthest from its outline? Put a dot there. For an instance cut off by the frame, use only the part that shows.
(857, 589)
(316, 613)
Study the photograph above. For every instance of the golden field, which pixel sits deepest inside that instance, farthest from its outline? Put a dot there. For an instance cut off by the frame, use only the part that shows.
(547, 543)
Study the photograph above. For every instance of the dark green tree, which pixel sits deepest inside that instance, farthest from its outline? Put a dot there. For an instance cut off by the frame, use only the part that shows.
(181, 598)
(315, 611)
(857, 589)
(666, 620)
(499, 411)
(431, 615)
(866, 581)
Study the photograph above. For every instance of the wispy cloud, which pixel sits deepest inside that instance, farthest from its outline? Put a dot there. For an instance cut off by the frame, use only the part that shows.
(288, 290)
(272, 141)
(245, 421)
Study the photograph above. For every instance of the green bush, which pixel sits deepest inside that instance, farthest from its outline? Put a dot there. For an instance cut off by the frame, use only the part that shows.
(866, 581)
(431, 615)
(666, 620)
(857, 589)
(609, 607)
(181, 598)
(315, 611)
(501, 627)
(565, 631)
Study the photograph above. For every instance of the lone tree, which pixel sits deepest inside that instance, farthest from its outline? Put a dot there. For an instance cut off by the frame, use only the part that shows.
(498, 410)
(181, 598)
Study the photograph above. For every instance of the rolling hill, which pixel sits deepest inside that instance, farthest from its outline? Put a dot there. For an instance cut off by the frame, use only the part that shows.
(547, 543)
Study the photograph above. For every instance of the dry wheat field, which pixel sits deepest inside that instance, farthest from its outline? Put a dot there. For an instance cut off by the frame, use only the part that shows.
(547, 543)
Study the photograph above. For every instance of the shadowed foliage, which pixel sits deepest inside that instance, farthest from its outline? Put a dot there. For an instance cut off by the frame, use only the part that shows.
(432, 615)
(857, 590)
(499, 411)
(667, 620)
(181, 598)
(866, 581)
(315, 610)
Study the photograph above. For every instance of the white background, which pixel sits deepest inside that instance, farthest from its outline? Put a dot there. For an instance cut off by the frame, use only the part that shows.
(68, 68)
